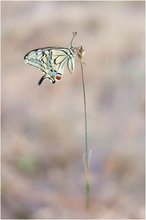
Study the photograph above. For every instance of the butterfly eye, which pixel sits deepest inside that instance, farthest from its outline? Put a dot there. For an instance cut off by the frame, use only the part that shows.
(58, 76)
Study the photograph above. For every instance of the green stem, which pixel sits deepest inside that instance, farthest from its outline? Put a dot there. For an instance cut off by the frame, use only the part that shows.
(86, 140)
(87, 192)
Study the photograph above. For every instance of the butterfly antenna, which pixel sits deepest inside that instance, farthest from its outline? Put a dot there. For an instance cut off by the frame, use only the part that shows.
(74, 34)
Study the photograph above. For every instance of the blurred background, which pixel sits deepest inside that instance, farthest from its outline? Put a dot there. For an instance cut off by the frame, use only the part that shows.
(43, 172)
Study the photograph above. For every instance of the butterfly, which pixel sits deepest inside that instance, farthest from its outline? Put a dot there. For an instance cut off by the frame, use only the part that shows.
(52, 60)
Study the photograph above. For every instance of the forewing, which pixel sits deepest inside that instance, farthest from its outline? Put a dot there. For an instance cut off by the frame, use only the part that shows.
(71, 64)
(34, 58)
(45, 58)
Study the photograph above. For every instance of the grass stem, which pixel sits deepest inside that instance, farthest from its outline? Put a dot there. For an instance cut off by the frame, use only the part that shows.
(86, 159)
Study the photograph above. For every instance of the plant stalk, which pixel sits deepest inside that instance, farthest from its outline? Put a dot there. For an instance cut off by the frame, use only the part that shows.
(86, 144)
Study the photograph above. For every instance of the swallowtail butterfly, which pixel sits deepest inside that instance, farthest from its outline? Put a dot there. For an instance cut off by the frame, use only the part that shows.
(52, 60)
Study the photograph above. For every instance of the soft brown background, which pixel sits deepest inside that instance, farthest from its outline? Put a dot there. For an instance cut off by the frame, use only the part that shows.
(43, 127)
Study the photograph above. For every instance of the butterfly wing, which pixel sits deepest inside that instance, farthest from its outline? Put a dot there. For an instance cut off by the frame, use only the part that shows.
(56, 64)
(51, 61)
(71, 64)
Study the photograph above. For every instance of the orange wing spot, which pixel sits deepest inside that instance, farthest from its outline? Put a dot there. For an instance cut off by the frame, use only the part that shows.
(58, 76)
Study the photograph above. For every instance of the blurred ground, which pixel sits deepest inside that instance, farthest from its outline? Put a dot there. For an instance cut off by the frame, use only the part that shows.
(43, 127)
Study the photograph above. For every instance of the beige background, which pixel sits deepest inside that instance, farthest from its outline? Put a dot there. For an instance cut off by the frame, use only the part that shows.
(43, 127)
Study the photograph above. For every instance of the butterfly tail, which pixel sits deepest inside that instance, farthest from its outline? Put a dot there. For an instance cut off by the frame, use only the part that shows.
(41, 80)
